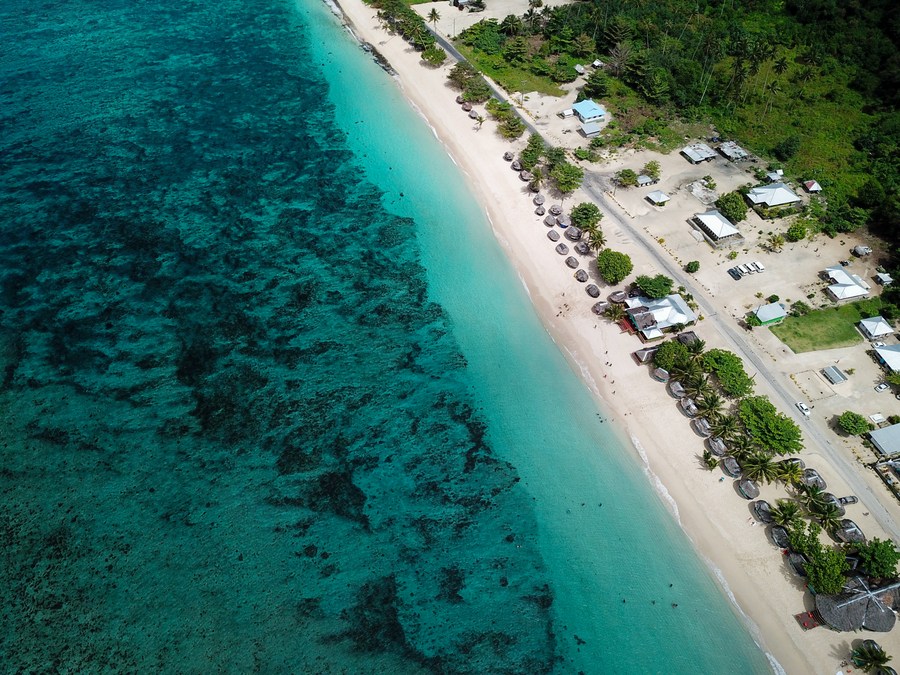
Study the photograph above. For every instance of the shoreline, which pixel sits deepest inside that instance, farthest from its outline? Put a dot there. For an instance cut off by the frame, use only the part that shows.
(745, 566)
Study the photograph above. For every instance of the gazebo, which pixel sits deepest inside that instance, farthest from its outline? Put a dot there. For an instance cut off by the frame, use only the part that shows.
(860, 606)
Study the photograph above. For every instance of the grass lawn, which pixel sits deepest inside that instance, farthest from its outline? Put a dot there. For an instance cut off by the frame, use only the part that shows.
(826, 328)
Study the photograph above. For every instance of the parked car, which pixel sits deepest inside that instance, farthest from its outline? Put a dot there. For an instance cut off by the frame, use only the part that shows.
(780, 537)
(734, 274)
(802, 407)
(763, 511)
(845, 501)
(882, 386)
(845, 263)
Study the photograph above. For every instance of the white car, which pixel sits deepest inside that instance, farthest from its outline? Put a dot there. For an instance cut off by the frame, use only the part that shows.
(802, 407)
(882, 386)
(878, 344)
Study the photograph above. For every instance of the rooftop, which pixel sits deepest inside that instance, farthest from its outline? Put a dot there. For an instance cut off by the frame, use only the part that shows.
(771, 312)
(889, 355)
(776, 194)
(886, 440)
(845, 285)
(588, 110)
(651, 317)
(876, 326)
(658, 197)
(716, 225)
(698, 152)
(733, 151)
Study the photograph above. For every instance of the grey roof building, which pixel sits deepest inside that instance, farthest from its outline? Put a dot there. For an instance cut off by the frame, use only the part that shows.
(886, 440)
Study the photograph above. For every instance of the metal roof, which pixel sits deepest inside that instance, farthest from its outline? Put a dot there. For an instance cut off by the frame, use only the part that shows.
(886, 440)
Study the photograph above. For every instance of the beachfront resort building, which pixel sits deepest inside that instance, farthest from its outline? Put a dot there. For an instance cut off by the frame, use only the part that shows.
(588, 111)
(774, 194)
(770, 314)
(845, 286)
(716, 229)
(875, 327)
(651, 317)
(698, 152)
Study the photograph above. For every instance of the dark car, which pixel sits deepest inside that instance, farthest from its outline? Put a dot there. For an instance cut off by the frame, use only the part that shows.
(734, 274)
(763, 511)
(846, 501)
(780, 537)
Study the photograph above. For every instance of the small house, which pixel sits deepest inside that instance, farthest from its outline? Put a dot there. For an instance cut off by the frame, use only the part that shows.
(590, 129)
(845, 286)
(770, 314)
(597, 63)
(886, 440)
(861, 251)
(834, 374)
(775, 194)
(658, 198)
(812, 186)
(884, 278)
(875, 327)
(698, 153)
(775, 176)
(716, 228)
(588, 111)
(732, 151)
(889, 357)
(651, 317)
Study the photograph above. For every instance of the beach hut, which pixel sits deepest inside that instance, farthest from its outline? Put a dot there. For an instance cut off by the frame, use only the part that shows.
(701, 426)
(592, 291)
(460, 99)
(689, 407)
(572, 263)
(835, 502)
(780, 537)
(526, 176)
(573, 233)
(748, 488)
(516, 165)
(550, 220)
(860, 605)
(555, 209)
(798, 561)
(850, 532)
(811, 478)
(508, 156)
(717, 446)
(552, 235)
(599, 307)
(660, 374)
(763, 511)
(563, 220)
(581, 276)
(467, 106)
(618, 297)
(538, 199)
(645, 354)
(675, 389)
(562, 249)
(731, 467)
(583, 248)
(540, 210)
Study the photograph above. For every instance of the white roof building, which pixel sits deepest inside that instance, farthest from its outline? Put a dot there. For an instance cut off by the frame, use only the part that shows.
(717, 229)
(733, 151)
(889, 355)
(698, 152)
(644, 180)
(590, 129)
(776, 194)
(886, 440)
(652, 317)
(846, 286)
(812, 186)
(770, 313)
(658, 197)
(875, 327)
(775, 176)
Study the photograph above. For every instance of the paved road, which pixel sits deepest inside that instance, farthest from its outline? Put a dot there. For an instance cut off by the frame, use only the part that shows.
(595, 184)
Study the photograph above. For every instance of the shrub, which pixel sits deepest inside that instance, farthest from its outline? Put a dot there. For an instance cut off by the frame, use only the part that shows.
(692, 266)
(434, 55)
(729, 370)
(586, 214)
(651, 169)
(853, 423)
(655, 287)
(613, 266)
(773, 298)
(796, 231)
(670, 354)
(879, 558)
(732, 206)
(626, 178)
(800, 308)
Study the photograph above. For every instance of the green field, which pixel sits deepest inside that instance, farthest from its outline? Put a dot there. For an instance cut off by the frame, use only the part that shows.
(826, 328)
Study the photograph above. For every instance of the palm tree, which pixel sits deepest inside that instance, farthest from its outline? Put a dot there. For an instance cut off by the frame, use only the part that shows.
(686, 372)
(776, 242)
(829, 516)
(434, 17)
(696, 387)
(812, 496)
(726, 427)
(786, 512)
(615, 313)
(695, 349)
(759, 466)
(596, 239)
(789, 473)
(710, 404)
(742, 446)
(511, 25)
(869, 656)
(479, 121)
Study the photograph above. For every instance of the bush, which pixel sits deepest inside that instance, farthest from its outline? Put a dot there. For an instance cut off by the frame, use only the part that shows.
(626, 178)
(789, 147)
(796, 232)
(670, 354)
(655, 287)
(511, 127)
(800, 308)
(853, 423)
(692, 266)
(434, 55)
(531, 155)
(613, 266)
(732, 206)
(878, 558)
(585, 215)
(773, 298)
(729, 370)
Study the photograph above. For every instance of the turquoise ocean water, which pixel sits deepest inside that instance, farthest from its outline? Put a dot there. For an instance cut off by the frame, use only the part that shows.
(273, 400)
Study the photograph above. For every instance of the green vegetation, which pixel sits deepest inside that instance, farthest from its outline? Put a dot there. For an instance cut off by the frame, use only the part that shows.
(870, 656)
(613, 266)
(434, 55)
(651, 169)
(626, 178)
(670, 355)
(878, 558)
(397, 15)
(585, 215)
(692, 266)
(729, 371)
(825, 570)
(853, 423)
(655, 287)
(770, 429)
(732, 206)
(567, 176)
(825, 328)
(796, 231)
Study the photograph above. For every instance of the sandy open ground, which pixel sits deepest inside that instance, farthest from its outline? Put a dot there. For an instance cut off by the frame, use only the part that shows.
(716, 519)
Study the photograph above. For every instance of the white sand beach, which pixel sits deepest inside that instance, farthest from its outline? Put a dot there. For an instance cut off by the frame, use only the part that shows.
(714, 516)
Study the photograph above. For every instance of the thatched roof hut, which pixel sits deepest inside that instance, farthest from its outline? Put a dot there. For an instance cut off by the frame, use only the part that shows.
(555, 209)
(618, 297)
(780, 536)
(508, 156)
(687, 338)
(473, 114)
(540, 210)
(731, 466)
(516, 166)
(599, 307)
(460, 99)
(572, 262)
(581, 276)
(860, 606)
(645, 354)
(701, 426)
(850, 532)
(812, 478)
(660, 374)
(538, 199)
(592, 291)
(552, 235)
(689, 407)
(748, 488)
(467, 106)
(573, 233)
(550, 221)
(562, 249)
(563, 220)
(526, 176)
(717, 446)
(583, 248)
(831, 499)
(676, 389)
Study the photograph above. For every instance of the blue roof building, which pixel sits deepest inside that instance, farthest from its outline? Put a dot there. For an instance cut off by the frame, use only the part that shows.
(588, 111)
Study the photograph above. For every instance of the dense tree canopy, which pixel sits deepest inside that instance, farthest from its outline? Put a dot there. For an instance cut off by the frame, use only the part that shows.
(775, 432)
(732, 206)
(654, 287)
(670, 354)
(585, 215)
(613, 266)
(729, 370)
(853, 423)
(878, 558)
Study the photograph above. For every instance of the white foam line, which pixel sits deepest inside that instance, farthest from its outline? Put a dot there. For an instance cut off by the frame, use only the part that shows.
(661, 489)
